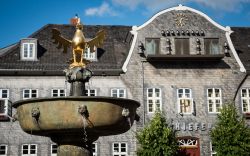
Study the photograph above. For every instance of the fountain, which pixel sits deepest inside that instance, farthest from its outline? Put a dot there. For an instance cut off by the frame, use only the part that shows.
(75, 122)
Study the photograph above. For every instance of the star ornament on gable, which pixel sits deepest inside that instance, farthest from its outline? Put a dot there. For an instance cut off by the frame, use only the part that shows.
(180, 19)
(79, 44)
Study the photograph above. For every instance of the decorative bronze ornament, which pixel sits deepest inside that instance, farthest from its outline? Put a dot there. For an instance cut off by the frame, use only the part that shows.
(180, 19)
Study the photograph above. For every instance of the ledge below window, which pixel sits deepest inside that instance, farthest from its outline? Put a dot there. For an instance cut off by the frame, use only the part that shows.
(161, 57)
(247, 115)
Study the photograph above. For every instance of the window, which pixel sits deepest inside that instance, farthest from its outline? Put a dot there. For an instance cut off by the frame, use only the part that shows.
(153, 46)
(58, 92)
(120, 149)
(211, 46)
(5, 109)
(214, 100)
(94, 149)
(91, 92)
(28, 51)
(4, 94)
(212, 150)
(29, 150)
(30, 93)
(182, 46)
(90, 55)
(185, 101)
(119, 93)
(3, 150)
(53, 149)
(245, 100)
(154, 99)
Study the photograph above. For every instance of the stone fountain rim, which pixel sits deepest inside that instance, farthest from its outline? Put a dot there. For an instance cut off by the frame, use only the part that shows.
(75, 98)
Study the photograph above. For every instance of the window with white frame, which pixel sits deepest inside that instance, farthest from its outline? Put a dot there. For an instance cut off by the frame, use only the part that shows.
(4, 93)
(119, 93)
(154, 99)
(90, 55)
(30, 93)
(188, 143)
(245, 100)
(58, 92)
(214, 100)
(53, 150)
(94, 149)
(120, 149)
(91, 92)
(3, 150)
(185, 101)
(29, 150)
(28, 50)
(212, 150)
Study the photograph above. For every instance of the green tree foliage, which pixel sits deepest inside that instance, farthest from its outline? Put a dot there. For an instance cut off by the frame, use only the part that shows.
(231, 136)
(157, 138)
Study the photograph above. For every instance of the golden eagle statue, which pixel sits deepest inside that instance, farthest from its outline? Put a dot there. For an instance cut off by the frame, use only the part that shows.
(79, 44)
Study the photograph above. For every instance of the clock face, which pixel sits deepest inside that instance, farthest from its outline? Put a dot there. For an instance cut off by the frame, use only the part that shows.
(180, 19)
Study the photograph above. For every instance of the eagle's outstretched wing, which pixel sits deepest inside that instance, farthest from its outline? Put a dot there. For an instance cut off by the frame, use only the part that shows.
(97, 41)
(61, 41)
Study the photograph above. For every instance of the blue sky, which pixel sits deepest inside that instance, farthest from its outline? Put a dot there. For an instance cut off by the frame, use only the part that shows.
(20, 18)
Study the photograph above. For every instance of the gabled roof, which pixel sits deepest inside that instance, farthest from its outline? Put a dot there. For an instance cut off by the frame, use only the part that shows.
(241, 41)
(52, 61)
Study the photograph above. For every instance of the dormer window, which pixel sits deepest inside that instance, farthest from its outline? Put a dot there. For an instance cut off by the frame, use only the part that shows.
(91, 56)
(182, 46)
(28, 49)
(212, 46)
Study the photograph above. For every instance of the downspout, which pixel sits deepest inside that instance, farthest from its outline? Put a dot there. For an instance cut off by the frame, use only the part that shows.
(144, 111)
(238, 88)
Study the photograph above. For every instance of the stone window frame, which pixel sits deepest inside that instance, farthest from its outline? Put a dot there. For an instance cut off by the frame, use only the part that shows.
(120, 152)
(1, 93)
(53, 149)
(29, 150)
(58, 93)
(91, 56)
(5, 150)
(183, 98)
(91, 92)
(247, 98)
(95, 149)
(212, 151)
(30, 93)
(214, 98)
(154, 98)
(118, 92)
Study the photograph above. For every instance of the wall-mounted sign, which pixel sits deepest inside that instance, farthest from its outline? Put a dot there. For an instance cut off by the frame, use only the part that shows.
(192, 126)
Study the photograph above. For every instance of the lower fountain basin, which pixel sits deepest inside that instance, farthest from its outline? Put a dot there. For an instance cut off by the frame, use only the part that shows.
(60, 116)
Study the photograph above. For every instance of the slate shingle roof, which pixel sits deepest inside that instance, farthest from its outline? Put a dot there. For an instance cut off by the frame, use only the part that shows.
(241, 41)
(52, 61)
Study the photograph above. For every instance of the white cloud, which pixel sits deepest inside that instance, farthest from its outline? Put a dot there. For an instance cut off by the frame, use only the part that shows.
(102, 10)
(156, 5)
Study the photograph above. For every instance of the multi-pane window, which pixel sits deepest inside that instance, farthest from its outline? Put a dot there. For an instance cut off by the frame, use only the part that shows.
(154, 99)
(188, 143)
(211, 46)
(152, 46)
(120, 93)
(53, 150)
(182, 46)
(245, 100)
(185, 101)
(29, 150)
(3, 150)
(4, 94)
(94, 149)
(58, 92)
(30, 93)
(91, 92)
(90, 55)
(214, 100)
(212, 150)
(28, 50)
(120, 149)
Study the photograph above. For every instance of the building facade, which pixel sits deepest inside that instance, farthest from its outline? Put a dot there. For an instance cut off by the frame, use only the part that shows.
(180, 61)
